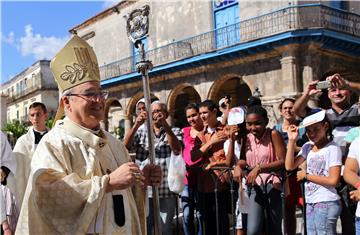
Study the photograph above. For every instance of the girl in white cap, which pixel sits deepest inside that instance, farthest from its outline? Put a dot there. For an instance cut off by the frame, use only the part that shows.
(321, 174)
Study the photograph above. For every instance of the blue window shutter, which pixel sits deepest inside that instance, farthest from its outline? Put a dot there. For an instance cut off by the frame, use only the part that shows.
(227, 17)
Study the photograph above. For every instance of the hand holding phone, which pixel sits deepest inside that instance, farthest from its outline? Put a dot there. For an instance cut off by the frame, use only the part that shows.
(323, 85)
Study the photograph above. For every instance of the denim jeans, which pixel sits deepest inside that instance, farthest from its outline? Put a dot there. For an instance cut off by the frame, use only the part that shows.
(190, 203)
(167, 212)
(321, 217)
(261, 204)
(357, 225)
(208, 212)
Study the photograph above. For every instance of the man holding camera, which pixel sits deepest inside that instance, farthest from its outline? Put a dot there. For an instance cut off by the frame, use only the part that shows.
(342, 116)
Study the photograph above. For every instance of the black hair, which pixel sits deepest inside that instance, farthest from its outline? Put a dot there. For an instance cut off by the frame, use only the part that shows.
(192, 106)
(254, 101)
(258, 110)
(209, 104)
(292, 100)
(38, 104)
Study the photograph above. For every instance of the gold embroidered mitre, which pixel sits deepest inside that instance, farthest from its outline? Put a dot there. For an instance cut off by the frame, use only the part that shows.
(75, 64)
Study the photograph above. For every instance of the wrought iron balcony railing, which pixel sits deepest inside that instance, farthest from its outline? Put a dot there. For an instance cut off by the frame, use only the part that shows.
(311, 16)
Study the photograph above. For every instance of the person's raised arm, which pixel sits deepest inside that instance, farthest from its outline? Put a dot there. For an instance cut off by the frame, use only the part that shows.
(129, 137)
(173, 140)
(290, 161)
(338, 81)
(301, 103)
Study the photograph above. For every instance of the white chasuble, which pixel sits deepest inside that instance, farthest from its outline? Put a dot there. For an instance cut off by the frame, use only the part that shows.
(66, 188)
(23, 152)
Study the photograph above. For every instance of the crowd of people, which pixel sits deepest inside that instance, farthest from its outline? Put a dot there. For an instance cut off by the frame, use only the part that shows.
(242, 175)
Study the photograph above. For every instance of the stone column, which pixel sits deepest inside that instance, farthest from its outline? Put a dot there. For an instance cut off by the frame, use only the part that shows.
(289, 73)
(308, 76)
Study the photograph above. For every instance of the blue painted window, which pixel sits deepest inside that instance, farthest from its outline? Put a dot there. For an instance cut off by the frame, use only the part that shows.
(227, 15)
(339, 4)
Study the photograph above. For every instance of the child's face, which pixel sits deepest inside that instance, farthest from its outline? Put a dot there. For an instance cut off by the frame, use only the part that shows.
(317, 132)
(255, 124)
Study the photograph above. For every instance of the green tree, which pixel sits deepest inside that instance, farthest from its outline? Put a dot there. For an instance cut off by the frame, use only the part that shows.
(119, 132)
(15, 128)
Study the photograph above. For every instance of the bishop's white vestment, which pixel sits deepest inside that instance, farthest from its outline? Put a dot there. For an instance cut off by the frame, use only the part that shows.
(66, 188)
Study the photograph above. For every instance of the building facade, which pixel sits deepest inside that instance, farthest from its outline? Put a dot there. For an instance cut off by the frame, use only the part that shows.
(34, 84)
(209, 49)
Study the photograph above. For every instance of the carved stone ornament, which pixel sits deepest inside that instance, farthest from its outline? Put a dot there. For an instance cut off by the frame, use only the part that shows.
(137, 24)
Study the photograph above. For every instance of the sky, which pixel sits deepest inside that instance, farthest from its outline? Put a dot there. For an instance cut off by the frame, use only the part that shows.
(35, 30)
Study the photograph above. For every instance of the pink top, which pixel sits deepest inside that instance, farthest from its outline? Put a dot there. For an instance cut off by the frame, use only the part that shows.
(191, 169)
(261, 152)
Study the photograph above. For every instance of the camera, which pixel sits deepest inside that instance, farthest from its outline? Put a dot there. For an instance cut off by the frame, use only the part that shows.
(323, 85)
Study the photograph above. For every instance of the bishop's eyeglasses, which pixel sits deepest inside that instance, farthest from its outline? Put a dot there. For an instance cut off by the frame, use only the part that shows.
(91, 95)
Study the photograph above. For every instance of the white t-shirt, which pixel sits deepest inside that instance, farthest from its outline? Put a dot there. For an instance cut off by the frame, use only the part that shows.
(319, 163)
(354, 152)
(244, 205)
(237, 148)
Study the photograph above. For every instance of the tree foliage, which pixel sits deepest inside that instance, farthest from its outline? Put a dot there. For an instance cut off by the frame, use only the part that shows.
(15, 128)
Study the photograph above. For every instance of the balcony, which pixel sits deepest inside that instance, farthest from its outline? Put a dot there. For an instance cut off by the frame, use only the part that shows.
(292, 18)
(27, 91)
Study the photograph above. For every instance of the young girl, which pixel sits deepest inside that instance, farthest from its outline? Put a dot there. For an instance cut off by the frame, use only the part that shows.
(322, 173)
(264, 153)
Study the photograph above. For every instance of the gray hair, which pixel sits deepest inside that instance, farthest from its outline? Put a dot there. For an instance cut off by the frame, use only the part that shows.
(66, 93)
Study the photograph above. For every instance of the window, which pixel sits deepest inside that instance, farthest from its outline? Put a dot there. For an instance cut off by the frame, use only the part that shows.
(17, 114)
(226, 19)
(17, 89)
(339, 4)
(25, 85)
(21, 87)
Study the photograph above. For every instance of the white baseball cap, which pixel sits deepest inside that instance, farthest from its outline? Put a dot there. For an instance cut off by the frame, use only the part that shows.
(314, 118)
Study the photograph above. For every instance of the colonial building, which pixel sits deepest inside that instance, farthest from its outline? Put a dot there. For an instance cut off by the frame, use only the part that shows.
(208, 49)
(34, 84)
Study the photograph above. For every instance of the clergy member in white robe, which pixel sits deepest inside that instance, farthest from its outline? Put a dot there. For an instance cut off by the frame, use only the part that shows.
(82, 180)
(25, 147)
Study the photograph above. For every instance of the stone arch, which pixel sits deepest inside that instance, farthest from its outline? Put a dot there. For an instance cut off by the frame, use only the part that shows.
(233, 85)
(179, 97)
(112, 106)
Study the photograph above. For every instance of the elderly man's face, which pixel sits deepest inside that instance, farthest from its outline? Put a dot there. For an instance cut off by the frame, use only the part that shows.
(86, 104)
